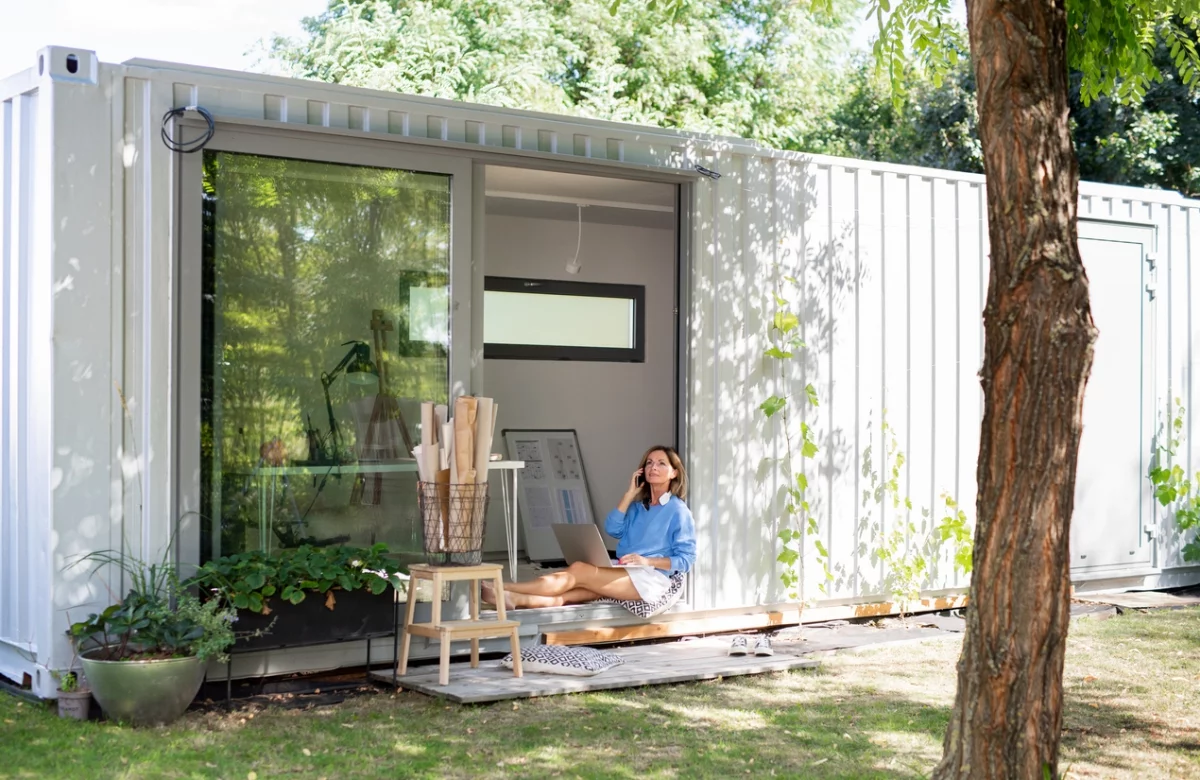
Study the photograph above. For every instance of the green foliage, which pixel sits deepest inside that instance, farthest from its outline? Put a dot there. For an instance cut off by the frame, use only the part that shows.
(907, 552)
(955, 528)
(1172, 488)
(750, 68)
(68, 682)
(157, 618)
(1112, 45)
(249, 580)
(1149, 142)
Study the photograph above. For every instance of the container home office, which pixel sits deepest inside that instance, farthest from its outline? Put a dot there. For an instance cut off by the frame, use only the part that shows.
(327, 245)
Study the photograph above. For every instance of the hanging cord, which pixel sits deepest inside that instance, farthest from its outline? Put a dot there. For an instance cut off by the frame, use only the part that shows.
(574, 267)
(195, 144)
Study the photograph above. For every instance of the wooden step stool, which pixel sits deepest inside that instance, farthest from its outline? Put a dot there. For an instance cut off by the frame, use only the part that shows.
(450, 630)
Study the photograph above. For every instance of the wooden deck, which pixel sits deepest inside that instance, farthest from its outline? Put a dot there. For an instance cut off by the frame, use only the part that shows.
(702, 659)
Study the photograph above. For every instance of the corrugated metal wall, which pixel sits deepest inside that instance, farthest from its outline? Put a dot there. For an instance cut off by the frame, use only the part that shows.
(890, 270)
(18, 137)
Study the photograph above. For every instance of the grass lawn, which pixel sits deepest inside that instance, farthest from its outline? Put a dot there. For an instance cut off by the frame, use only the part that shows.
(1133, 710)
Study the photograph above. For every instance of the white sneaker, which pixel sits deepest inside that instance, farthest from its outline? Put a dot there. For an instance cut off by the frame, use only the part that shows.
(738, 646)
(763, 646)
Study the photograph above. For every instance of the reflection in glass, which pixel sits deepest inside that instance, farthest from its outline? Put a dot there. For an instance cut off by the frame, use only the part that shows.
(325, 324)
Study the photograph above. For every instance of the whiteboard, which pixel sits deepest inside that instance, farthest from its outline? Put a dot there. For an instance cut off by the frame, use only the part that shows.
(553, 487)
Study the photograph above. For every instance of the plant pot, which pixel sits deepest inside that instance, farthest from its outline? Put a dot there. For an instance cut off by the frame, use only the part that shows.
(74, 705)
(357, 614)
(144, 693)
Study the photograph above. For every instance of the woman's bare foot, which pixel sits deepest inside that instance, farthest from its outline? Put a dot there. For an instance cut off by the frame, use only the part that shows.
(488, 593)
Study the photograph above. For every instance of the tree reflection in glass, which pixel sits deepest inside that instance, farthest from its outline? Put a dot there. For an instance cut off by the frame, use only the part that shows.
(301, 259)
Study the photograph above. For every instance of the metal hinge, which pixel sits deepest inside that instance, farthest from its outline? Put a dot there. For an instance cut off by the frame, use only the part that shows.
(1151, 289)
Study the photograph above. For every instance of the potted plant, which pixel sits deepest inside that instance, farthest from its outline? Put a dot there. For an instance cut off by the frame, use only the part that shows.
(306, 595)
(74, 697)
(145, 656)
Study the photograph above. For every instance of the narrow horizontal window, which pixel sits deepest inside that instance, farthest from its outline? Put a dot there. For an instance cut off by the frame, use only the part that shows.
(542, 319)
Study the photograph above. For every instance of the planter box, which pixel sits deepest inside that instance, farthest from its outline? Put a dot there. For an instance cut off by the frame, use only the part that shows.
(357, 614)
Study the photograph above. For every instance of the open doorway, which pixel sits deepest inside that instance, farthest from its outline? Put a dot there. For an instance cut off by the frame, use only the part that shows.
(580, 325)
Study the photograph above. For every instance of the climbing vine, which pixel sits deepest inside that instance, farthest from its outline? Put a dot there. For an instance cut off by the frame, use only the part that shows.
(786, 344)
(1172, 488)
(907, 552)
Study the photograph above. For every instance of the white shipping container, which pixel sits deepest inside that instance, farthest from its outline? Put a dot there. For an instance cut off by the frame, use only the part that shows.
(101, 234)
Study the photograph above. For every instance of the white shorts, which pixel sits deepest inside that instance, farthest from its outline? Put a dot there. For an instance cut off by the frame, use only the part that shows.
(650, 583)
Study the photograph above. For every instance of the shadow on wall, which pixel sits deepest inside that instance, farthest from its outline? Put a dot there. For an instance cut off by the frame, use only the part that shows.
(817, 236)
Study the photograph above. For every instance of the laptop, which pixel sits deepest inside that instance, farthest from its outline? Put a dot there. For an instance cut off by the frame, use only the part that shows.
(582, 542)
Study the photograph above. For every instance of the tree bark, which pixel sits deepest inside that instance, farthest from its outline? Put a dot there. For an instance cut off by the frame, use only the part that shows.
(1037, 355)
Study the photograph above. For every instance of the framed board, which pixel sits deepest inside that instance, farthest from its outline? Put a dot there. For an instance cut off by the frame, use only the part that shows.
(553, 487)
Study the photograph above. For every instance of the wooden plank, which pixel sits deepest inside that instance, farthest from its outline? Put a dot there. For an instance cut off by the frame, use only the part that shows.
(714, 625)
(723, 621)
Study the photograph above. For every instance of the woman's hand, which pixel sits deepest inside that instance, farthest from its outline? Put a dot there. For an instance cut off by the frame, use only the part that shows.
(633, 559)
(632, 493)
(635, 485)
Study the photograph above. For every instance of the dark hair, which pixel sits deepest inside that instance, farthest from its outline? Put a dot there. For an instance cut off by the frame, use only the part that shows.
(679, 484)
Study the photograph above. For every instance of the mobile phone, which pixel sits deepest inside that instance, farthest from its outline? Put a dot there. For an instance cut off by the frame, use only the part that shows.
(639, 480)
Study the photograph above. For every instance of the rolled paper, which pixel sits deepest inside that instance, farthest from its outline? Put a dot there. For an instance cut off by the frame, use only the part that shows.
(443, 516)
(429, 452)
(421, 475)
(483, 437)
(447, 444)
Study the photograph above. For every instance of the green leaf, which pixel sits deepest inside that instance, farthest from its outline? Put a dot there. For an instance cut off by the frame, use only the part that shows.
(802, 481)
(811, 392)
(776, 352)
(809, 448)
(773, 405)
(785, 322)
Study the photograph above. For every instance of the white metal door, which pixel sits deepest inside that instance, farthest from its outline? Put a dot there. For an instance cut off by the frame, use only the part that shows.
(1113, 505)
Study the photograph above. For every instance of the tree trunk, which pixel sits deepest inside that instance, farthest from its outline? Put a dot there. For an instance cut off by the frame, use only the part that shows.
(1037, 355)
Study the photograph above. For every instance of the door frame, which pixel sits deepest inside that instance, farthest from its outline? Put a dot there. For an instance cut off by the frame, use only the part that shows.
(187, 309)
(1145, 235)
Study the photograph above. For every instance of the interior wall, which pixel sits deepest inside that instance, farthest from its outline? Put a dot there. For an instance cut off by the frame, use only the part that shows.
(618, 409)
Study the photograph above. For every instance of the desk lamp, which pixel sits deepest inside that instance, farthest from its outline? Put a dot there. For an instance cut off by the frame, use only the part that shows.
(359, 371)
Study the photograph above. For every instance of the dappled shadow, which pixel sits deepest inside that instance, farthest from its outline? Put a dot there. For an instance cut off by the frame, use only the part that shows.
(886, 290)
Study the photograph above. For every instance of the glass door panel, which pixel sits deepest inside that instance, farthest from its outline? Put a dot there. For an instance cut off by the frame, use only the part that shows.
(325, 323)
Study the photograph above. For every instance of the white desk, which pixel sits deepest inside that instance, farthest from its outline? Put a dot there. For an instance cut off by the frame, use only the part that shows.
(508, 492)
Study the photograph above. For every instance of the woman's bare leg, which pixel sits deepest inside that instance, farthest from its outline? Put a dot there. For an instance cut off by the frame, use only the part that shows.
(579, 583)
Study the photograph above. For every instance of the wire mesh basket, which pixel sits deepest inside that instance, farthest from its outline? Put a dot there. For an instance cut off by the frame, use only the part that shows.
(453, 519)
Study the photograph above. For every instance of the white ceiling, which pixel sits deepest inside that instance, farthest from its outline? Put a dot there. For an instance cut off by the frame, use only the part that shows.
(551, 195)
(574, 186)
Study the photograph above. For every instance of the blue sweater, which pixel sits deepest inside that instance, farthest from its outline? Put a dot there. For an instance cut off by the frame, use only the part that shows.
(662, 531)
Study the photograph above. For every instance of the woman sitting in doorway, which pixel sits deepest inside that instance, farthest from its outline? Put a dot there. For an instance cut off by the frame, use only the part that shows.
(656, 538)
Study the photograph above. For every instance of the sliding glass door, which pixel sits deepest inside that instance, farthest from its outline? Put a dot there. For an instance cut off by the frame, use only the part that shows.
(325, 321)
